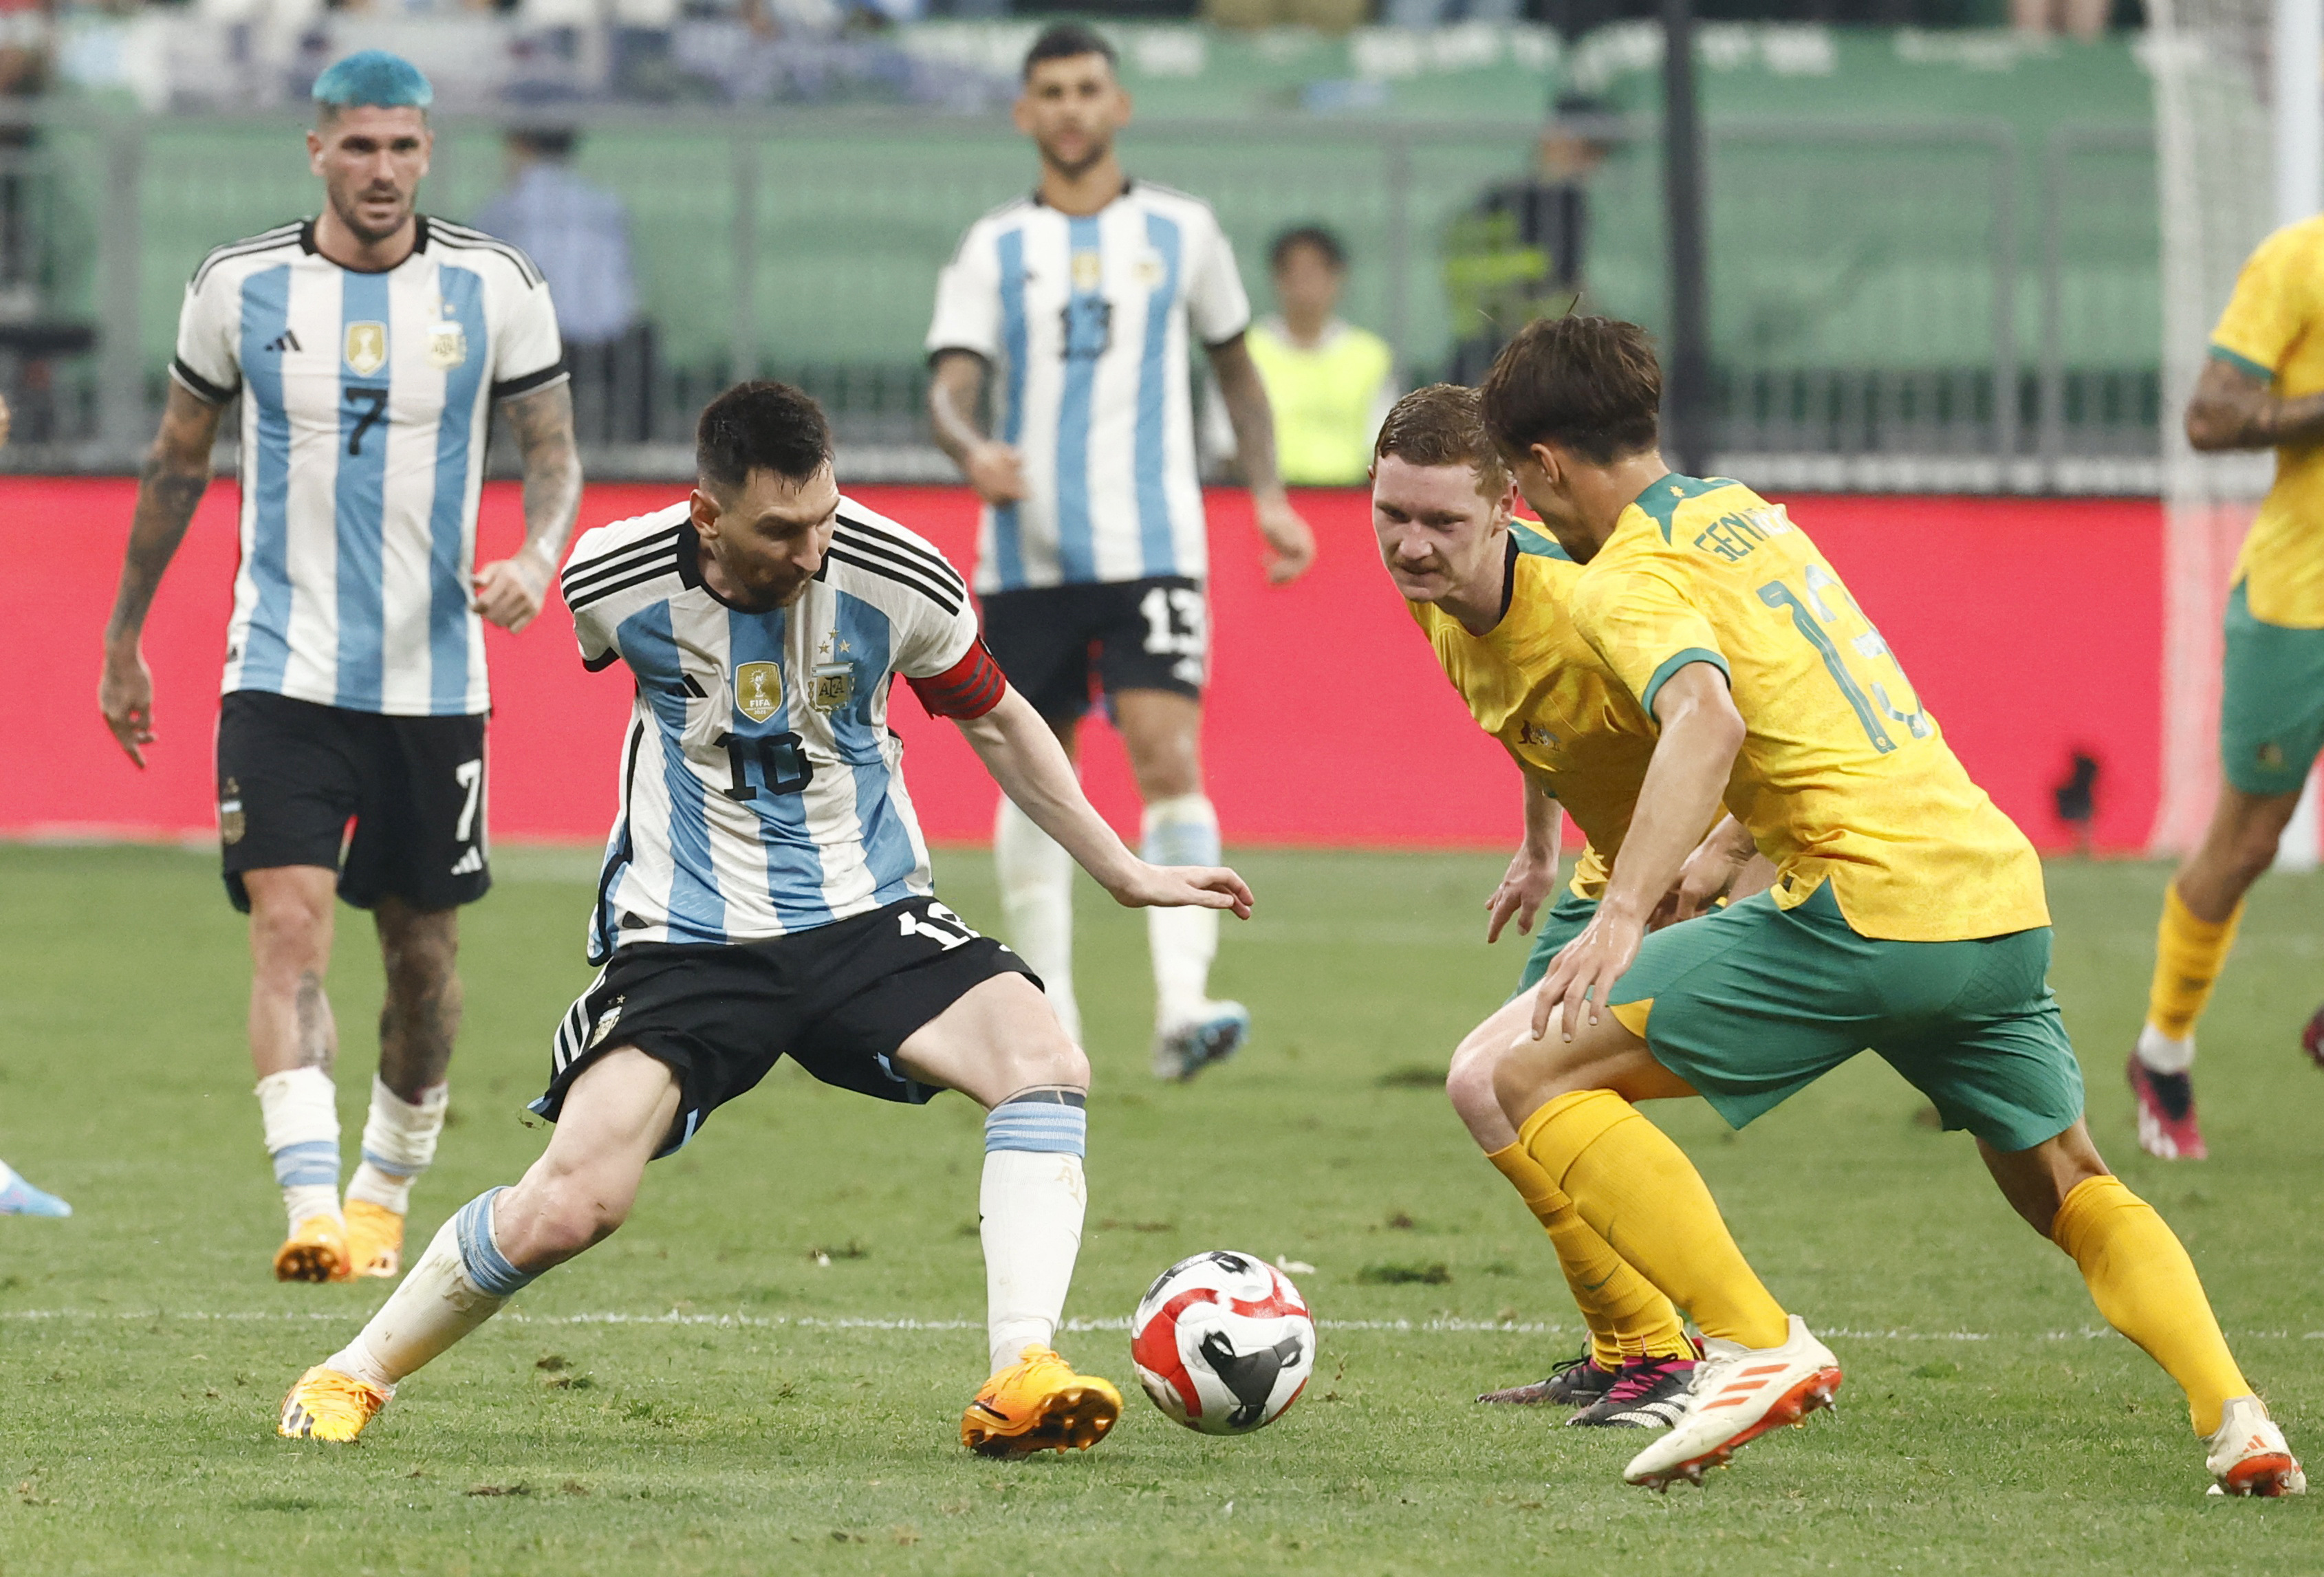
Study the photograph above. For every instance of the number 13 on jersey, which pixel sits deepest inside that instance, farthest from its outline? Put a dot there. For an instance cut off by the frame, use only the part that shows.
(1853, 653)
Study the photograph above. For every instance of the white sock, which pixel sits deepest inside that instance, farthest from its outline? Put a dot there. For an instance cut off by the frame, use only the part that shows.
(1037, 904)
(398, 1141)
(2163, 1055)
(301, 1114)
(1184, 831)
(1031, 1201)
(461, 1282)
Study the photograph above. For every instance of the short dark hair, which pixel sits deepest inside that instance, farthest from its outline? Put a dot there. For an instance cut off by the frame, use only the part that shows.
(1590, 384)
(1444, 424)
(1314, 236)
(760, 426)
(1067, 41)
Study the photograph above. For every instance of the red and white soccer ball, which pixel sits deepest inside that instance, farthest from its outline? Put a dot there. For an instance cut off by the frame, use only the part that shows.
(1224, 1342)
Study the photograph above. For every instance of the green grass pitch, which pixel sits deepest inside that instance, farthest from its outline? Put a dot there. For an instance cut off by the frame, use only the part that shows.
(704, 1395)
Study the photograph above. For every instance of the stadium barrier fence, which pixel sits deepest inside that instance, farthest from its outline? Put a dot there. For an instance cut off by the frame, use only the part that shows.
(1913, 306)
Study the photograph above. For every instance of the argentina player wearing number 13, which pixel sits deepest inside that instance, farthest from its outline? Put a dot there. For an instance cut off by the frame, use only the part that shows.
(767, 893)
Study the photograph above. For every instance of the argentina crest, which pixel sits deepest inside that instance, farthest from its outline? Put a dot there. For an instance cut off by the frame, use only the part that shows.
(366, 347)
(758, 690)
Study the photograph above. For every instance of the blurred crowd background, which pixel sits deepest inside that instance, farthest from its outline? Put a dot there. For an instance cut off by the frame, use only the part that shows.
(1933, 222)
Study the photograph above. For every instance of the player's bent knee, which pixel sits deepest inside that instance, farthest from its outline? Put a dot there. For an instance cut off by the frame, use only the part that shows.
(1469, 1086)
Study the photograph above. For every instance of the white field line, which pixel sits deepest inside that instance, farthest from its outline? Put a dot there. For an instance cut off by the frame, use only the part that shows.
(1437, 1327)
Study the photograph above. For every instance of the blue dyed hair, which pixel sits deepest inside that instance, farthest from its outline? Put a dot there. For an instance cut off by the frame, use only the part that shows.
(373, 77)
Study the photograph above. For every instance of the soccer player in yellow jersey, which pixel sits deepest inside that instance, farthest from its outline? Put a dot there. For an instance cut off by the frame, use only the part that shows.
(1490, 596)
(1908, 917)
(2263, 389)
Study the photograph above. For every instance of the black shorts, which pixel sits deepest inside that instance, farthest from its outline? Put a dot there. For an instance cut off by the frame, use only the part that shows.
(292, 774)
(838, 1000)
(1150, 634)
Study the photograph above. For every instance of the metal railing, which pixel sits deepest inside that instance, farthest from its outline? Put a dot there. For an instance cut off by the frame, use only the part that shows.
(1883, 313)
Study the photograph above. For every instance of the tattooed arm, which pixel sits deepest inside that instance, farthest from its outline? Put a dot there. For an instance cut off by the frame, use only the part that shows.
(176, 473)
(511, 593)
(2234, 410)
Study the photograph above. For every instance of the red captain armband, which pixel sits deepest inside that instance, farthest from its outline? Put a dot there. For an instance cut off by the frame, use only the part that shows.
(970, 687)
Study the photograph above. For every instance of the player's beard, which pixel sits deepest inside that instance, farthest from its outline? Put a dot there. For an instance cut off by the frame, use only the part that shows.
(1074, 170)
(350, 215)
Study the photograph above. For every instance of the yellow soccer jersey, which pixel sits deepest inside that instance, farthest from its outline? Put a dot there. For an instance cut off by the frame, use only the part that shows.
(1533, 684)
(1843, 776)
(2274, 328)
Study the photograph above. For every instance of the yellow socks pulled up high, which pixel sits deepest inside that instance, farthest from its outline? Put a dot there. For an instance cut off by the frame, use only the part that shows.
(2188, 953)
(1626, 1318)
(1639, 1193)
(2144, 1285)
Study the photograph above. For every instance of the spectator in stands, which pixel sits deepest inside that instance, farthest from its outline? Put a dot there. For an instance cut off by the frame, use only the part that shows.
(2083, 19)
(1519, 253)
(578, 233)
(1328, 382)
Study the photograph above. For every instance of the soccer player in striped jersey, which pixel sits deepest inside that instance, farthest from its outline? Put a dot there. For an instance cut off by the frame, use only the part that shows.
(369, 345)
(767, 894)
(1084, 300)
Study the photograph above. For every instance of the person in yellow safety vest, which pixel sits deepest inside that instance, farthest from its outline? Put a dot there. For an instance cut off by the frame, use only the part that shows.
(1328, 382)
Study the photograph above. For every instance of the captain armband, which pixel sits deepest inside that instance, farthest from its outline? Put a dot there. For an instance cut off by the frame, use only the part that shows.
(970, 687)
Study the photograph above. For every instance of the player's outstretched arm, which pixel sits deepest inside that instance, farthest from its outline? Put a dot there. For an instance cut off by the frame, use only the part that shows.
(169, 485)
(1289, 539)
(993, 468)
(1700, 732)
(511, 593)
(1532, 875)
(1025, 758)
(2233, 409)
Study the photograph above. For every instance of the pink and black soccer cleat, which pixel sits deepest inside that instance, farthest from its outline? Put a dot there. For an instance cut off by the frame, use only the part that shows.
(2166, 1113)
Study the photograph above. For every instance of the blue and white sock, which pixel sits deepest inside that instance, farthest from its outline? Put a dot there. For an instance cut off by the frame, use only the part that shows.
(300, 1110)
(1184, 831)
(399, 1143)
(1032, 1200)
(462, 1281)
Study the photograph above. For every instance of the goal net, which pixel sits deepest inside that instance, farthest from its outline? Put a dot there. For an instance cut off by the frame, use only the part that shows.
(2213, 83)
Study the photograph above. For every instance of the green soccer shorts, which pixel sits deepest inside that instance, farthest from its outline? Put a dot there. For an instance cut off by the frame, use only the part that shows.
(1753, 1003)
(2271, 702)
(1558, 924)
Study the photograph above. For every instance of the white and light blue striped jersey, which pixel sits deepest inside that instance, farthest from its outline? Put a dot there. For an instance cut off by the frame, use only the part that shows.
(366, 398)
(762, 792)
(1086, 323)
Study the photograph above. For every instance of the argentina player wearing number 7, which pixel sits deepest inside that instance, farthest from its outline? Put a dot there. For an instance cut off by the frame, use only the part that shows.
(766, 893)
(368, 346)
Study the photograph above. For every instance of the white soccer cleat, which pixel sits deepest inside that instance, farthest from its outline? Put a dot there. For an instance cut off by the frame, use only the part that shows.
(2249, 1455)
(1215, 1035)
(1740, 1393)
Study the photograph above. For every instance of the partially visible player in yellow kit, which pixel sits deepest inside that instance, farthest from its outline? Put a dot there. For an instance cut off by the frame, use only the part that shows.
(1908, 917)
(2263, 389)
(1491, 597)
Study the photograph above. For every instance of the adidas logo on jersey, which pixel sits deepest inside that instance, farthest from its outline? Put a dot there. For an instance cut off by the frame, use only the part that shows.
(287, 340)
(469, 863)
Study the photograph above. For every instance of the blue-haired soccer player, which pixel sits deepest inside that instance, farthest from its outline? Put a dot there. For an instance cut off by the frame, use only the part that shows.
(369, 345)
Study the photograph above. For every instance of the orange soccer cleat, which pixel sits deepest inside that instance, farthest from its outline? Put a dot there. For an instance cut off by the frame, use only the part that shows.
(326, 1405)
(374, 1239)
(315, 1250)
(1040, 1404)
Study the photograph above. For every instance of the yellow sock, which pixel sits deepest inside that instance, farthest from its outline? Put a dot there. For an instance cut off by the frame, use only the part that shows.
(2188, 956)
(1626, 1318)
(1641, 1195)
(2144, 1285)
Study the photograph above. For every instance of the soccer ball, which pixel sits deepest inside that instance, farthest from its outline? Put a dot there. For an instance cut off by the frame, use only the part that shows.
(1224, 1342)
